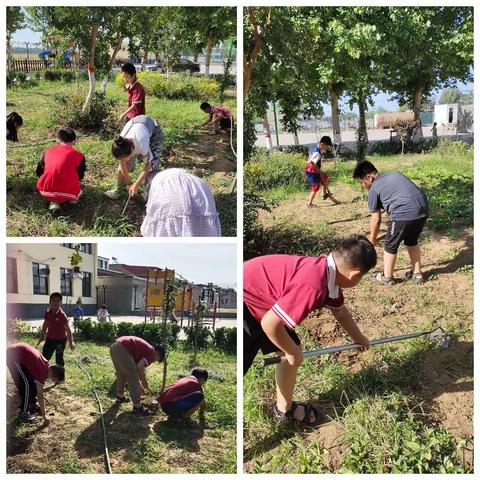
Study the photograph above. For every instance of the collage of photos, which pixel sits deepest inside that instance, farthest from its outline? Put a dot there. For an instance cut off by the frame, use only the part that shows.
(348, 237)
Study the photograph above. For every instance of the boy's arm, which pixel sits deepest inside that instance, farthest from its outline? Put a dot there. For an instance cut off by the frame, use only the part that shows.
(41, 403)
(81, 169)
(44, 331)
(41, 166)
(274, 328)
(70, 337)
(344, 318)
(141, 374)
(375, 222)
(126, 112)
(126, 175)
(136, 184)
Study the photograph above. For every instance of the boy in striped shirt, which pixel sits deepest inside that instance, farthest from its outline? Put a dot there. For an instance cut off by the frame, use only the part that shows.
(279, 292)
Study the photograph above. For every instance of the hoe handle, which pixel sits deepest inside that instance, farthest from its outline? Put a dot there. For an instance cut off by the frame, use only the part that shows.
(341, 348)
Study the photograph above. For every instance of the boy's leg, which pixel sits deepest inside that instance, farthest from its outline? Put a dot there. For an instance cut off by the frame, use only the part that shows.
(414, 254)
(59, 349)
(395, 234)
(126, 364)
(251, 334)
(389, 260)
(121, 378)
(311, 197)
(20, 380)
(48, 348)
(413, 231)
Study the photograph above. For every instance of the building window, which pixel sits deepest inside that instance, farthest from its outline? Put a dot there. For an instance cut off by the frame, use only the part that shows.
(41, 273)
(66, 245)
(86, 248)
(12, 276)
(66, 281)
(86, 284)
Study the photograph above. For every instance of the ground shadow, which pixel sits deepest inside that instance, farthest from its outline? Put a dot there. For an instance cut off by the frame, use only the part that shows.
(124, 431)
(426, 373)
(464, 257)
(178, 435)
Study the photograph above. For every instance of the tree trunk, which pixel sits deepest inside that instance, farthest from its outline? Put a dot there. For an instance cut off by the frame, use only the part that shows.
(208, 54)
(91, 69)
(195, 56)
(117, 48)
(295, 139)
(266, 133)
(417, 105)
(337, 133)
(362, 136)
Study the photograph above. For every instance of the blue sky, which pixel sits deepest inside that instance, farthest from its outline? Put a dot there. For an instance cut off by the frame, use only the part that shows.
(199, 263)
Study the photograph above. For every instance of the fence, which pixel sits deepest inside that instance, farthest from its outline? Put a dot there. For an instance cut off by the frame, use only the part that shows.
(26, 65)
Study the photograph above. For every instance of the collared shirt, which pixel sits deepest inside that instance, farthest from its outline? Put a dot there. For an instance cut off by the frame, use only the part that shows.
(180, 389)
(31, 359)
(138, 348)
(292, 286)
(136, 96)
(57, 323)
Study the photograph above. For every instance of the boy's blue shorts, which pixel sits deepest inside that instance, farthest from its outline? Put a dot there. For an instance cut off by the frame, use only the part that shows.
(313, 180)
(183, 405)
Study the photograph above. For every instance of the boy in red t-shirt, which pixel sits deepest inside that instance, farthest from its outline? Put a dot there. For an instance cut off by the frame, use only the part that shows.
(56, 331)
(136, 93)
(61, 170)
(29, 371)
(220, 117)
(279, 291)
(183, 398)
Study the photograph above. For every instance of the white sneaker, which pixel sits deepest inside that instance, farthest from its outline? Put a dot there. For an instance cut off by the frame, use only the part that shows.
(54, 206)
(112, 194)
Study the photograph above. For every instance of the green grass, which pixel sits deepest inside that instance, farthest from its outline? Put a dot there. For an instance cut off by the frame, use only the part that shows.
(379, 420)
(27, 214)
(136, 444)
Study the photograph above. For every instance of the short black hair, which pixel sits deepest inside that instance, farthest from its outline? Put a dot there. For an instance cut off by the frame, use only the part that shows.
(161, 351)
(56, 295)
(199, 373)
(58, 372)
(363, 169)
(129, 68)
(66, 135)
(205, 106)
(326, 140)
(122, 147)
(357, 251)
(15, 119)
(104, 305)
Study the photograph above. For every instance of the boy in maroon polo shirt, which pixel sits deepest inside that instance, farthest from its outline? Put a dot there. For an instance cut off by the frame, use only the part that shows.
(130, 356)
(56, 331)
(279, 291)
(29, 371)
(220, 117)
(136, 93)
(183, 398)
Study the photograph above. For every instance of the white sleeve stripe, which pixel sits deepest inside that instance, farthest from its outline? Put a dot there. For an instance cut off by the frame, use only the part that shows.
(284, 316)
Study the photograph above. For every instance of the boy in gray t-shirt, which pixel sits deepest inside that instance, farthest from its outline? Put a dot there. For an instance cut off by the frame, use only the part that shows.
(407, 207)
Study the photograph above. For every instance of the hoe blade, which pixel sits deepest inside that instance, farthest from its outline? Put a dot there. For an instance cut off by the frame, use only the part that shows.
(440, 337)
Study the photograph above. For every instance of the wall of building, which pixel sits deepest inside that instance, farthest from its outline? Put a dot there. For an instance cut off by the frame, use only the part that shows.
(120, 294)
(24, 303)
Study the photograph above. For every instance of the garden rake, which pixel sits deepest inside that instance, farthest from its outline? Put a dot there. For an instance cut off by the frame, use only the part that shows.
(436, 335)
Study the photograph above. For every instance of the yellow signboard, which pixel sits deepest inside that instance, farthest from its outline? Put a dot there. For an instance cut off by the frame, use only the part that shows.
(180, 302)
(156, 286)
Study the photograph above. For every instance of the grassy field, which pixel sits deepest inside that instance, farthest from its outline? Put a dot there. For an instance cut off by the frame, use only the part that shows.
(27, 215)
(405, 407)
(73, 442)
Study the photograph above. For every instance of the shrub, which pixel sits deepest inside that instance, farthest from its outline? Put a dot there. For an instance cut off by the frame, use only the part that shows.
(67, 111)
(22, 79)
(268, 171)
(225, 339)
(66, 75)
(104, 332)
(176, 86)
(204, 337)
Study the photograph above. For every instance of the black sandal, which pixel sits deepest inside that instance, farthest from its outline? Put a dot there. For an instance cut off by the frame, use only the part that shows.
(287, 416)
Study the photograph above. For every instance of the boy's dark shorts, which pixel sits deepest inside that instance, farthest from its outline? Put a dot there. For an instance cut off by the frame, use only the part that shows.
(407, 231)
(183, 405)
(255, 339)
(225, 123)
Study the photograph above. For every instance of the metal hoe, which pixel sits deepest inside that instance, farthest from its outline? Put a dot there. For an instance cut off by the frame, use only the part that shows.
(437, 335)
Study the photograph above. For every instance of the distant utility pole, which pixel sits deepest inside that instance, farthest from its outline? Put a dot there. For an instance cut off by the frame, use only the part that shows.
(27, 44)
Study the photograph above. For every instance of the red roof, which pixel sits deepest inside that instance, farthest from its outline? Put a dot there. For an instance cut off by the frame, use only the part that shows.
(136, 270)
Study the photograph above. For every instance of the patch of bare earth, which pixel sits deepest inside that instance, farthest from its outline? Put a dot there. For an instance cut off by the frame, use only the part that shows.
(445, 376)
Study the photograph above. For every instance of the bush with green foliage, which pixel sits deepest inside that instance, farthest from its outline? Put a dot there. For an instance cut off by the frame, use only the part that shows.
(22, 79)
(204, 337)
(265, 171)
(225, 339)
(394, 147)
(66, 75)
(176, 86)
(66, 111)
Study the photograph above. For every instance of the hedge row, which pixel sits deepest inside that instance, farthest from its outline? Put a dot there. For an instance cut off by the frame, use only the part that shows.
(224, 339)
